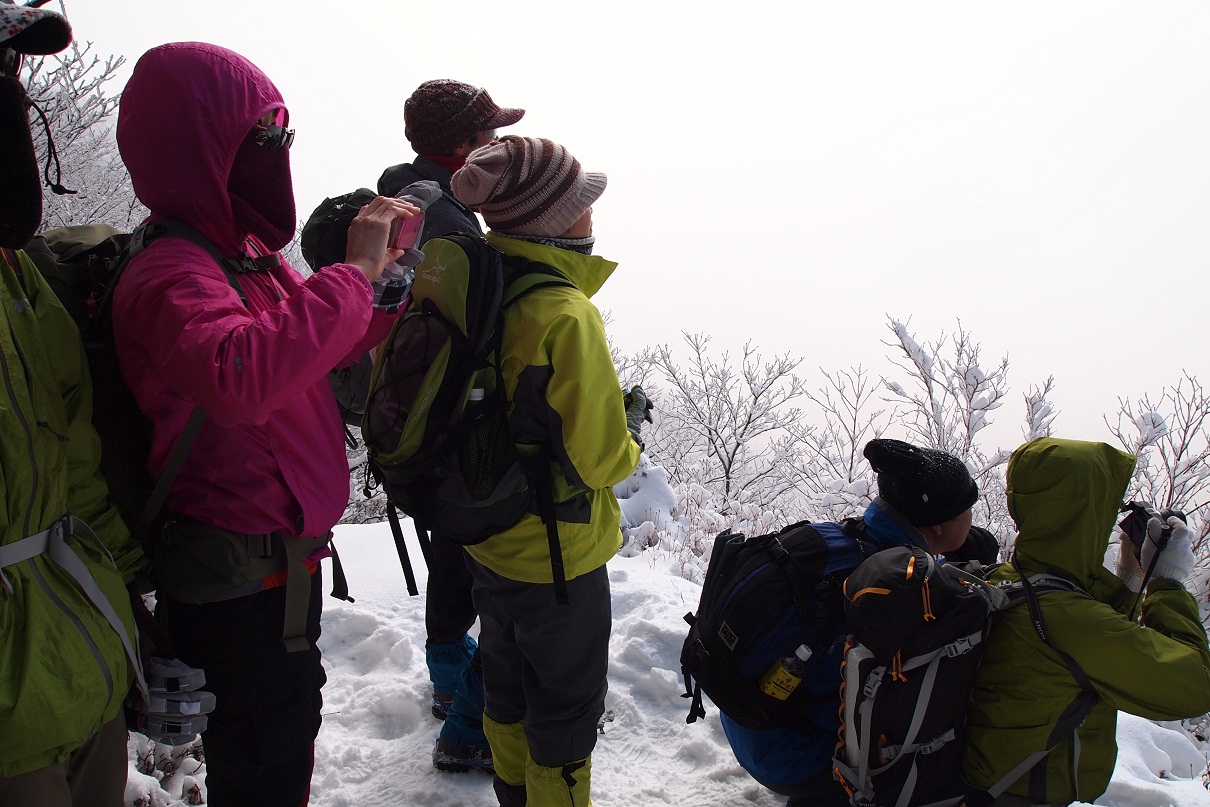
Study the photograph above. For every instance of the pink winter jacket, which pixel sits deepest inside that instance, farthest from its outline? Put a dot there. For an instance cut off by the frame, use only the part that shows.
(270, 456)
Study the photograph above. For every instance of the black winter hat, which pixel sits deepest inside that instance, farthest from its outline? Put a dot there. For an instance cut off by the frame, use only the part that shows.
(927, 486)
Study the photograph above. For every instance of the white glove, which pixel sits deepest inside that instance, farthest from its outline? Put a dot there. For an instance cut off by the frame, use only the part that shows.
(1176, 559)
(1127, 566)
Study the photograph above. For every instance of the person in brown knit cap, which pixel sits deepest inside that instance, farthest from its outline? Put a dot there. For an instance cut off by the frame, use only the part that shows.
(545, 656)
(445, 120)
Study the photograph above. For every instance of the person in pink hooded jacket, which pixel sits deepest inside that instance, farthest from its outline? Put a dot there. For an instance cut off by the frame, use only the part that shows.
(203, 133)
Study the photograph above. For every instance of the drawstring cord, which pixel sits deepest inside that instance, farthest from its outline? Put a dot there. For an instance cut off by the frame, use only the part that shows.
(52, 153)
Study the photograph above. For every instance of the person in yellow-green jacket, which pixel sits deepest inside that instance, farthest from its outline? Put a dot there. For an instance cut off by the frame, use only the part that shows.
(1064, 496)
(544, 662)
(66, 629)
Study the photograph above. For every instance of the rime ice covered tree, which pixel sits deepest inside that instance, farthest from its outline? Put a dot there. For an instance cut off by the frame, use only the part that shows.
(723, 425)
(71, 91)
(828, 467)
(947, 401)
(1170, 435)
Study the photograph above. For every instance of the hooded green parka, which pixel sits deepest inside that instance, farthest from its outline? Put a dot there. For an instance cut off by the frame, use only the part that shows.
(1064, 497)
(63, 670)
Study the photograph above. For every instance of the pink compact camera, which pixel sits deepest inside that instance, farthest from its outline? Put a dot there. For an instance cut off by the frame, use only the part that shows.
(404, 232)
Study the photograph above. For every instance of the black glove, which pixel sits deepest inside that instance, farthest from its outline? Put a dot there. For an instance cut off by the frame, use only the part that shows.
(638, 409)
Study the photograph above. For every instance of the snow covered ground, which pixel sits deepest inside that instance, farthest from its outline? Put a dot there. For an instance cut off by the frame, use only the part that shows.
(377, 736)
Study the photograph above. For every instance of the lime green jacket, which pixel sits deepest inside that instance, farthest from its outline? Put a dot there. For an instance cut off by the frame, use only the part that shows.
(63, 671)
(1064, 496)
(565, 395)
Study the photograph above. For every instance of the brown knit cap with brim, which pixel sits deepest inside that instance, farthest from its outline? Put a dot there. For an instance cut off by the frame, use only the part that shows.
(443, 114)
(527, 186)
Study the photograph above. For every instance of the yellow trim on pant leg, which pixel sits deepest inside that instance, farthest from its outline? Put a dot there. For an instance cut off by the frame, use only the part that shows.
(564, 786)
(510, 750)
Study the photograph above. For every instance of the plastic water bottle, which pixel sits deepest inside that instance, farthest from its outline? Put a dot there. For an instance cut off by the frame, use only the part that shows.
(785, 675)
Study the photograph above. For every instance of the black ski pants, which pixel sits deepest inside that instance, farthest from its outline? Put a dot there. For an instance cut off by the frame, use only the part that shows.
(260, 741)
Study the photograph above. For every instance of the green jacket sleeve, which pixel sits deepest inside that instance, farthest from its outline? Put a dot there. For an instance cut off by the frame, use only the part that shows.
(597, 449)
(1159, 670)
(87, 493)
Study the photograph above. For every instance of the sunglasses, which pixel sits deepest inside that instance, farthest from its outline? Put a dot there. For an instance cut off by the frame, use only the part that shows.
(270, 132)
(10, 62)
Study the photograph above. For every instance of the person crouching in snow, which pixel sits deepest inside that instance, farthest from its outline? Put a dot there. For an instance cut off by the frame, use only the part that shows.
(203, 133)
(1064, 497)
(544, 663)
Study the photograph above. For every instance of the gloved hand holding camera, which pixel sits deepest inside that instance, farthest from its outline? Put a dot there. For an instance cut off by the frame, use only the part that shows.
(638, 409)
(1172, 555)
(1153, 545)
(393, 285)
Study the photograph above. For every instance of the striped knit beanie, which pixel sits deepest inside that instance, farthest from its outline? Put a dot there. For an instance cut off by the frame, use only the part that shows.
(443, 114)
(527, 186)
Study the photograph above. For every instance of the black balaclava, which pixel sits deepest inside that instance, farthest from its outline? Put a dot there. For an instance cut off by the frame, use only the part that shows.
(21, 197)
(262, 193)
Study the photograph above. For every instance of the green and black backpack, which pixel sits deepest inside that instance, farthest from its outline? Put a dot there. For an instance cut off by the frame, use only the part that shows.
(436, 422)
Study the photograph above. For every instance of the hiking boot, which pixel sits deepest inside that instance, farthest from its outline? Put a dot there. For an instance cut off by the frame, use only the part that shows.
(441, 704)
(460, 760)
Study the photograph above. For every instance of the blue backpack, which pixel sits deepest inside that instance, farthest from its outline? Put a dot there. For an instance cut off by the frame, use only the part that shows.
(763, 597)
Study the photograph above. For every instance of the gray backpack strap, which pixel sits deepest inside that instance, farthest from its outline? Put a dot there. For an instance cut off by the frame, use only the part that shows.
(53, 542)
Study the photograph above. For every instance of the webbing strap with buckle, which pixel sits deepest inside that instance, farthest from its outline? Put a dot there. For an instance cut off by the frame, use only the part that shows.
(53, 543)
(298, 588)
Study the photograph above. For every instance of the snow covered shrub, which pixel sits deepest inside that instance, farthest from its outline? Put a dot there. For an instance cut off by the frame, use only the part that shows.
(72, 90)
(1170, 435)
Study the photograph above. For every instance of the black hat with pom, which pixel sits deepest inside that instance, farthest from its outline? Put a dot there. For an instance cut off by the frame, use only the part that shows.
(925, 485)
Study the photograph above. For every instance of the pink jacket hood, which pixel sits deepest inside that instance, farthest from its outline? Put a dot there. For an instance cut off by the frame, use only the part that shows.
(183, 116)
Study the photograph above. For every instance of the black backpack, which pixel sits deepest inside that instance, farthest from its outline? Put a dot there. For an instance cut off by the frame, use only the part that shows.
(83, 264)
(917, 629)
(323, 241)
(762, 598)
(436, 423)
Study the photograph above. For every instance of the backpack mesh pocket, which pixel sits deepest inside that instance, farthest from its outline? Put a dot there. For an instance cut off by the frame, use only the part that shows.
(486, 451)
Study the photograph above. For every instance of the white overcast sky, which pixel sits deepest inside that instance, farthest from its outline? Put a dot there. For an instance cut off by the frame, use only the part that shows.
(794, 172)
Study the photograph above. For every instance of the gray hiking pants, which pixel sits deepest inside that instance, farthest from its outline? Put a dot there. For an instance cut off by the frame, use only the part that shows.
(93, 776)
(544, 664)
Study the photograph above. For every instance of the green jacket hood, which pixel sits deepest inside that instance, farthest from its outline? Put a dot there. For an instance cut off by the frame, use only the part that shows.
(1064, 497)
(587, 272)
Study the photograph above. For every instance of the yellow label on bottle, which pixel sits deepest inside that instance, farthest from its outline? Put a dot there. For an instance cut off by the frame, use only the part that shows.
(779, 682)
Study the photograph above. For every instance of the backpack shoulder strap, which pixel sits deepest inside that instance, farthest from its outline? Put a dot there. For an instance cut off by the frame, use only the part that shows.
(523, 276)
